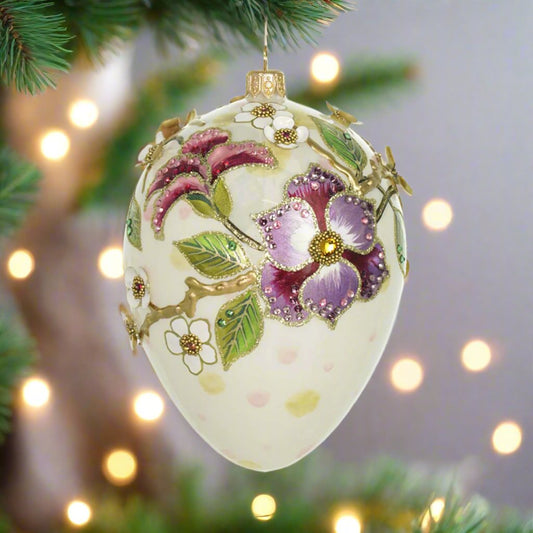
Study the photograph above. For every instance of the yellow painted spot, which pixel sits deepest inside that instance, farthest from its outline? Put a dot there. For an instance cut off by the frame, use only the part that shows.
(178, 259)
(249, 464)
(302, 403)
(212, 383)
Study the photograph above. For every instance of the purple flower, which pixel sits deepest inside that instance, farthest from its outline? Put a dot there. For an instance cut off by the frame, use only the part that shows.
(322, 252)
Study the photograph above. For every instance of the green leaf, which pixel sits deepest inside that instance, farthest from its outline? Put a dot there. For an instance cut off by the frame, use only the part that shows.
(342, 143)
(201, 204)
(214, 254)
(222, 199)
(133, 224)
(239, 327)
(401, 241)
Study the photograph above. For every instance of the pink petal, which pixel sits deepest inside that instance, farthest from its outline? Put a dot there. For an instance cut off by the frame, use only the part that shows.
(316, 188)
(282, 288)
(232, 155)
(184, 184)
(175, 167)
(202, 141)
(371, 267)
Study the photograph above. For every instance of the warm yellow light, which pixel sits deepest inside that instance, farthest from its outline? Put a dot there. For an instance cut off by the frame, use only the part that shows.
(407, 374)
(148, 406)
(507, 437)
(110, 262)
(347, 523)
(437, 214)
(55, 145)
(120, 467)
(434, 513)
(78, 513)
(263, 507)
(35, 392)
(476, 355)
(324, 67)
(20, 264)
(83, 113)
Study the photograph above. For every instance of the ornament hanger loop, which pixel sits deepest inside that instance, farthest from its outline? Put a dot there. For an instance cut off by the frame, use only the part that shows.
(265, 46)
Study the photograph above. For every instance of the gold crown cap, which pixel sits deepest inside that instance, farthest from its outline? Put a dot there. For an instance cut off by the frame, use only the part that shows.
(265, 85)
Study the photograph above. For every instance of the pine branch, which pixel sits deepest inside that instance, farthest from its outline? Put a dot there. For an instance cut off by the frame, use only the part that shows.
(18, 186)
(32, 41)
(16, 355)
(362, 83)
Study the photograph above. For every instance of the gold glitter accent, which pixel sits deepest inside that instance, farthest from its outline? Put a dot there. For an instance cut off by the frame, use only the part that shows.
(138, 287)
(302, 403)
(190, 344)
(285, 136)
(263, 111)
(211, 383)
(265, 84)
(326, 247)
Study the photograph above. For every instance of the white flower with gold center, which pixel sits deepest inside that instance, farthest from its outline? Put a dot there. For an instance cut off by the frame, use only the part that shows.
(261, 114)
(191, 342)
(285, 134)
(138, 287)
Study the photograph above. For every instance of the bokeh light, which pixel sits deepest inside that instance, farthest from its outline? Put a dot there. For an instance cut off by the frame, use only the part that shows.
(476, 355)
(78, 513)
(437, 214)
(20, 264)
(347, 523)
(434, 513)
(110, 262)
(263, 507)
(507, 437)
(148, 406)
(325, 67)
(55, 145)
(407, 374)
(120, 467)
(35, 392)
(83, 113)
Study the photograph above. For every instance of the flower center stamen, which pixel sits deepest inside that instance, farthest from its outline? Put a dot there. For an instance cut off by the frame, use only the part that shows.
(190, 344)
(138, 288)
(326, 247)
(285, 136)
(264, 111)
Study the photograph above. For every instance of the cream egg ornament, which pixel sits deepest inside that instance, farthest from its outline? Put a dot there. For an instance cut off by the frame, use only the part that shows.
(265, 259)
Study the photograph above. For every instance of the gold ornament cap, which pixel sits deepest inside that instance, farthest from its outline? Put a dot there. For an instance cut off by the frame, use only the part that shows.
(265, 85)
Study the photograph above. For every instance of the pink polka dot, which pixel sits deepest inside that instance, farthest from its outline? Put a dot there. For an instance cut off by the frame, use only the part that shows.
(267, 447)
(202, 417)
(228, 453)
(372, 337)
(328, 366)
(258, 398)
(304, 451)
(286, 357)
(184, 211)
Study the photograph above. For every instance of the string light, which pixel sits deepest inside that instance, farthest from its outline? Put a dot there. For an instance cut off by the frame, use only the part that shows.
(20, 264)
(434, 513)
(437, 214)
(325, 67)
(35, 392)
(148, 406)
(507, 437)
(476, 355)
(83, 113)
(110, 262)
(263, 507)
(407, 374)
(78, 513)
(120, 467)
(347, 523)
(55, 145)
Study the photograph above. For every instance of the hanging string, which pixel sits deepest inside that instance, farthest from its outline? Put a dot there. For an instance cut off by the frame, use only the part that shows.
(265, 46)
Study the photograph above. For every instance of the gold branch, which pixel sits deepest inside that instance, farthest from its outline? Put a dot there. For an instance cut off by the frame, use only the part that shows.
(196, 290)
